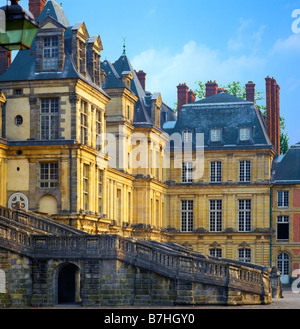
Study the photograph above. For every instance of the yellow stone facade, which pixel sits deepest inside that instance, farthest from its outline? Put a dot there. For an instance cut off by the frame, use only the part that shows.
(81, 179)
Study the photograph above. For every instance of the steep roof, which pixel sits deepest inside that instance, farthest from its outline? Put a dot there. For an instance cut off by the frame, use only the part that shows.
(23, 66)
(227, 113)
(286, 168)
(54, 10)
(142, 112)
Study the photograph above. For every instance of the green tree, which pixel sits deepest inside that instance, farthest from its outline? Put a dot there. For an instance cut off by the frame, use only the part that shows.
(235, 88)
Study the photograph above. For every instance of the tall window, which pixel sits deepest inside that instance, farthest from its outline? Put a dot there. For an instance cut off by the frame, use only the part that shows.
(216, 172)
(84, 122)
(283, 199)
(283, 263)
(245, 255)
(49, 121)
(283, 228)
(187, 136)
(245, 171)
(187, 172)
(49, 175)
(98, 129)
(85, 187)
(187, 216)
(100, 192)
(244, 215)
(82, 57)
(215, 215)
(50, 60)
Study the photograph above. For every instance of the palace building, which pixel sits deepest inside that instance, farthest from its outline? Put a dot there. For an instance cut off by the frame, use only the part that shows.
(85, 143)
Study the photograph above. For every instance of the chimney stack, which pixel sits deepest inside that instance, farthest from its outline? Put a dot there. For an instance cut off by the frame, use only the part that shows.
(273, 112)
(142, 78)
(182, 96)
(191, 96)
(250, 91)
(211, 88)
(36, 7)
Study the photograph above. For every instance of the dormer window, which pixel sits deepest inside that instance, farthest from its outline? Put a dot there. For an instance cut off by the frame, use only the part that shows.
(244, 134)
(50, 58)
(215, 135)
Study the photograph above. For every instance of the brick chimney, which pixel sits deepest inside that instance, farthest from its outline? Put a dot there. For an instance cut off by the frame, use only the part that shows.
(182, 96)
(211, 88)
(36, 7)
(142, 78)
(191, 96)
(5, 60)
(250, 91)
(273, 112)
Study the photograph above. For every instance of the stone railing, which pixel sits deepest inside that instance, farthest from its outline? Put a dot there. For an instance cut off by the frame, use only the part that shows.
(152, 257)
(170, 261)
(38, 222)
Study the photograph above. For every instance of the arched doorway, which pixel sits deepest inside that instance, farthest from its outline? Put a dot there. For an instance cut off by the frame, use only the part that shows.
(68, 284)
(283, 265)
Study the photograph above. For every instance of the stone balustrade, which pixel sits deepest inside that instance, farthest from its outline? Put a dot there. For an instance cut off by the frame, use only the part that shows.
(20, 232)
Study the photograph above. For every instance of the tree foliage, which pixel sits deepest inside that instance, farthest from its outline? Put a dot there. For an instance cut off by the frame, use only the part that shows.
(236, 89)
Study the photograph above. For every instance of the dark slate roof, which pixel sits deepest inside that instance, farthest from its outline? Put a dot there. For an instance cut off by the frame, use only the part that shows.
(23, 66)
(54, 10)
(227, 113)
(221, 98)
(142, 113)
(286, 168)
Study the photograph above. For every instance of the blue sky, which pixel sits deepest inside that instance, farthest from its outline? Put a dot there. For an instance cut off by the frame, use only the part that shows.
(186, 41)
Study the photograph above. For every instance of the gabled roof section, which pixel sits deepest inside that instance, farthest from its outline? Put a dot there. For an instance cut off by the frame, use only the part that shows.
(54, 10)
(95, 40)
(286, 168)
(50, 22)
(80, 27)
(227, 113)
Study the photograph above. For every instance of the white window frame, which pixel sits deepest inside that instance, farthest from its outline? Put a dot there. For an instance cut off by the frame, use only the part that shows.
(245, 171)
(49, 118)
(245, 255)
(187, 215)
(283, 263)
(244, 215)
(215, 252)
(215, 215)
(49, 175)
(187, 136)
(244, 134)
(187, 172)
(215, 135)
(216, 172)
(50, 53)
(283, 199)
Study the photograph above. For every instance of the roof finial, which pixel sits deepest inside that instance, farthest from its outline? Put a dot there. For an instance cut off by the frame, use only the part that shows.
(124, 45)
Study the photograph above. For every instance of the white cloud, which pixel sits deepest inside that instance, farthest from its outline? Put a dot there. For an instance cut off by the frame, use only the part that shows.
(192, 63)
(290, 45)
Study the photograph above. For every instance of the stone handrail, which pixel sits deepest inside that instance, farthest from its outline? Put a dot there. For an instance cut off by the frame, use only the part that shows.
(38, 222)
(172, 262)
(153, 258)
